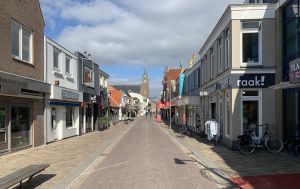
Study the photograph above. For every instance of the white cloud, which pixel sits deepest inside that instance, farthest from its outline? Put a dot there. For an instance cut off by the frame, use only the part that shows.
(156, 33)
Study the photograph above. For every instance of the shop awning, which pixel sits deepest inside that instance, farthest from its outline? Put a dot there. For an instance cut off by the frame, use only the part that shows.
(70, 104)
(285, 85)
(186, 100)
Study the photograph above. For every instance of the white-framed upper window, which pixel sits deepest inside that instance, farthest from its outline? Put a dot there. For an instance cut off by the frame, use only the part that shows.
(100, 81)
(250, 43)
(220, 65)
(68, 65)
(56, 59)
(227, 48)
(105, 83)
(88, 77)
(21, 42)
(212, 57)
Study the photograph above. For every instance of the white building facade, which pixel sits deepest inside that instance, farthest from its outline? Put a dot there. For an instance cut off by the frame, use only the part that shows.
(62, 112)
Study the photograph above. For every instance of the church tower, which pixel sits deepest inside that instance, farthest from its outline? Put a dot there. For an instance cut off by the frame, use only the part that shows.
(145, 85)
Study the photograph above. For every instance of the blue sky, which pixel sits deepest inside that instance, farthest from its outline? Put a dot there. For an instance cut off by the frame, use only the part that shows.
(125, 35)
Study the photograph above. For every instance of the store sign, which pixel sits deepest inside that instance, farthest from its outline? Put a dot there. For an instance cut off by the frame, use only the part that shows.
(93, 99)
(167, 104)
(69, 95)
(295, 71)
(256, 80)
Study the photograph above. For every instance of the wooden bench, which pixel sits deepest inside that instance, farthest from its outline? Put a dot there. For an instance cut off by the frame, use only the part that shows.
(20, 175)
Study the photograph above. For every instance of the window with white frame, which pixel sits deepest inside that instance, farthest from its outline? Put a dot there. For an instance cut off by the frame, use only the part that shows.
(88, 76)
(56, 59)
(21, 43)
(68, 65)
(227, 48)
(105, 83)
(100, 80)
(220, 55)
(250, 38)
(212, 57)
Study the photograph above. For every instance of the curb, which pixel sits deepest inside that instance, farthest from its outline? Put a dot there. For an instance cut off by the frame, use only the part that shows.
(68, 180)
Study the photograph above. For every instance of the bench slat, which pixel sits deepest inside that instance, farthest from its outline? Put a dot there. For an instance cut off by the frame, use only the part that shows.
(21, 175)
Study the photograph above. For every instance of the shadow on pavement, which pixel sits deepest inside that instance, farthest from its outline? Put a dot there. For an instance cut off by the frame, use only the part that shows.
(180, 161)
(36, 181)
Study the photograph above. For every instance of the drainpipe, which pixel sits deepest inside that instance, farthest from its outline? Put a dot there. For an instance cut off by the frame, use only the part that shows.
(45, 98)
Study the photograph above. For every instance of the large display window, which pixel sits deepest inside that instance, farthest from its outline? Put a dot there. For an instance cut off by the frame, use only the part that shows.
(20, 126)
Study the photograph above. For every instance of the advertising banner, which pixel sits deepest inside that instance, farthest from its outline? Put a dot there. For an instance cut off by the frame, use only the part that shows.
(295, 71)
(181, 81)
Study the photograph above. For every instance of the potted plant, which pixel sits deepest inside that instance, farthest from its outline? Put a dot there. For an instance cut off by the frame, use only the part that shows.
(102, 122)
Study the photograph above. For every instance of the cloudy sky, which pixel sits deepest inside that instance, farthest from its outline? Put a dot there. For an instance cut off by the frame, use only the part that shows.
(125, 35)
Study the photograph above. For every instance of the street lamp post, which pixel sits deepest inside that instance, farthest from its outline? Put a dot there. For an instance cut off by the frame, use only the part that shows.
(170, 91)
(172, 86)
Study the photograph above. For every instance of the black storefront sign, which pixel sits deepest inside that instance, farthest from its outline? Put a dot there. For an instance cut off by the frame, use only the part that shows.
(241, 81)
(256, 80)
(294, 72)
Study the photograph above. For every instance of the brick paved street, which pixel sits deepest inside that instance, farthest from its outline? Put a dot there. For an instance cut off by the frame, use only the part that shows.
(63, 156)
(145, 158)
(233, 164)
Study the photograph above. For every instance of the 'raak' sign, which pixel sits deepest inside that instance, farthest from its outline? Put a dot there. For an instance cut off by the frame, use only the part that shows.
(295, 71)
(256, 80)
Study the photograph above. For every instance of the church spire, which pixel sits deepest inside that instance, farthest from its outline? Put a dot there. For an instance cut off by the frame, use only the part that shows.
(145, 72)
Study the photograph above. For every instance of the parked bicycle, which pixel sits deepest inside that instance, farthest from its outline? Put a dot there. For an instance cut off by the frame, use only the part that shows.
(249, 141)
(292, 146)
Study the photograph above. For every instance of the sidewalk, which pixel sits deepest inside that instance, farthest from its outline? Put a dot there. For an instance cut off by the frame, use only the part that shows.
(243, 169)
(65, 157)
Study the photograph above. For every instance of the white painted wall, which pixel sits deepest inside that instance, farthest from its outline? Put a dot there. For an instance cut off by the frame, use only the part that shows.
(52, 75)
(67, 82)
(143, 101)
(61, 130)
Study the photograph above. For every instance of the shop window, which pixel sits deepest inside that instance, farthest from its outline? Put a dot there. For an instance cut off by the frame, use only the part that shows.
(2, 125)
(20, 126)
(250, 43)
(228, 114)
(53, 119)
(21, 42)
(69, 117)
(213, 111)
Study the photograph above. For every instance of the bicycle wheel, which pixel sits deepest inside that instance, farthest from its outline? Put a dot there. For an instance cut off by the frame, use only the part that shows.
(245, 148)
(274, 144)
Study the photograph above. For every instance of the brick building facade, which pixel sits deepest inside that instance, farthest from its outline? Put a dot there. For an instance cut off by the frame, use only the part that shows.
(21, 75)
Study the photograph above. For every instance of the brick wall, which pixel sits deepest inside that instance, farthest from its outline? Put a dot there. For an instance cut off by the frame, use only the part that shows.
(28, 13)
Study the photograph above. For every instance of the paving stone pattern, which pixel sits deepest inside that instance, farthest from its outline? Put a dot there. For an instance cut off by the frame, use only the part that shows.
(63, 156)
